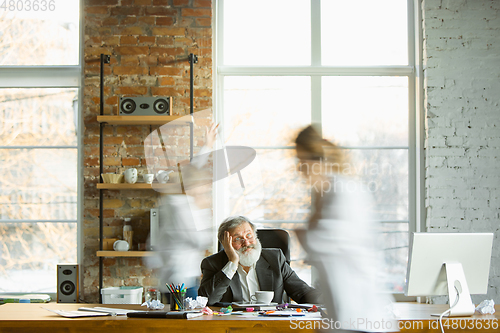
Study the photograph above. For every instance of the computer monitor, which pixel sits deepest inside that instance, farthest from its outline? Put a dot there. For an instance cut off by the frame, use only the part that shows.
(453, 264)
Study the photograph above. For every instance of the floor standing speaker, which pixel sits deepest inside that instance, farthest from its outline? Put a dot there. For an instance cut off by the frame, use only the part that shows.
(67, 283)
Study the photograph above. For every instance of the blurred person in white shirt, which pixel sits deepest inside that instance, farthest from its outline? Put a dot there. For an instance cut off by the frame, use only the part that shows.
(341, 239)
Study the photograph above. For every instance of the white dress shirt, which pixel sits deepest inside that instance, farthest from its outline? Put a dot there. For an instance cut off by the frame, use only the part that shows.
(249, 282)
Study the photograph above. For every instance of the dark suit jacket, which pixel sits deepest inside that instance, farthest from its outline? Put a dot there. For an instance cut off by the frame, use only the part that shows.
(273, 273)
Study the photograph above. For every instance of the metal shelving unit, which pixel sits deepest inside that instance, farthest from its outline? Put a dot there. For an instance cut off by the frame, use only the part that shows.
(130, 120)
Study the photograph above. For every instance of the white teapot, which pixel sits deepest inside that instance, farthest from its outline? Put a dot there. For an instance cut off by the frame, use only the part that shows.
(163, 175)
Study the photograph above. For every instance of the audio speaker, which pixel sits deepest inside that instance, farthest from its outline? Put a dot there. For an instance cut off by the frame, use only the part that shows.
(145, 106)
(67, 283)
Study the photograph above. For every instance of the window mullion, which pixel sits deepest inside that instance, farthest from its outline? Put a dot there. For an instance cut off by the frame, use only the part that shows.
(218, 187)
(316, 100)
(315, 33)
(315, 70)
(40, 77)
(316, 89)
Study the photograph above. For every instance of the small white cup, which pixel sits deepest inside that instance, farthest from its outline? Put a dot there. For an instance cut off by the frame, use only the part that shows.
(148, 178)
(120, 245)
(264, 297)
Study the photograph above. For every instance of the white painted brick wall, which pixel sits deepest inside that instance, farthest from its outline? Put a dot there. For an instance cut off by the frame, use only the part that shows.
(462, 89)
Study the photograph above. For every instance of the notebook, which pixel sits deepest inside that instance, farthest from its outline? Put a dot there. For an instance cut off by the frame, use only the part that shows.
(164, 315)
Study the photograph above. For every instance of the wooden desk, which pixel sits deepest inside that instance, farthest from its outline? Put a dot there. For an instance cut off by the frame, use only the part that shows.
(414, 317)
(27, 318)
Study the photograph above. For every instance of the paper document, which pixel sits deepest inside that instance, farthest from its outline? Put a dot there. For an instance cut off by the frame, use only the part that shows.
(77, 314)
(113, 311)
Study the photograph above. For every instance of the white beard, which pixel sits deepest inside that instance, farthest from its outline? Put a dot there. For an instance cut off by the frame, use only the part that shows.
(250, 257)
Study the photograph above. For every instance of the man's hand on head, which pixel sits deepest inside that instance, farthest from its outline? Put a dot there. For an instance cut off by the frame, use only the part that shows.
(231, 253)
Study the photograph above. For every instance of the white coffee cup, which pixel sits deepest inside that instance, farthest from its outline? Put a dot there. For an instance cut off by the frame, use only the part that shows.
(120, 245)
(264, 297)
(148, 178)
(130, 175)
(163, 176)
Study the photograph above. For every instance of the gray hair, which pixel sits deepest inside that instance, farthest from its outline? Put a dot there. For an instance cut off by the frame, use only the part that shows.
(233, 222)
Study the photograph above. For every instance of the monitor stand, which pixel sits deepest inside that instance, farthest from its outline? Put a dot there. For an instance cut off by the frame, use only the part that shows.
(458, 291)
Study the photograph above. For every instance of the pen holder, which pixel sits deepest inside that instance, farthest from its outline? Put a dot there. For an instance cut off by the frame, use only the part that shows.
(177, 301)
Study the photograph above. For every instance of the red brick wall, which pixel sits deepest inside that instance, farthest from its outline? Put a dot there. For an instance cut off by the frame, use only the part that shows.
(149, 42)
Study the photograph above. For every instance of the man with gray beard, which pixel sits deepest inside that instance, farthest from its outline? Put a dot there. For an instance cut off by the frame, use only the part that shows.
(243, 267)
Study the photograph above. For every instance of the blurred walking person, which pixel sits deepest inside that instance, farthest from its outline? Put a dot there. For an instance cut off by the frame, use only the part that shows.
(341, 240)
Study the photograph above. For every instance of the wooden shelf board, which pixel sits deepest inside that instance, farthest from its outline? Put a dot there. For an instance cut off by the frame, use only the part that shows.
(124, 186)
(169, 188)
(137, 120)
(124, 253)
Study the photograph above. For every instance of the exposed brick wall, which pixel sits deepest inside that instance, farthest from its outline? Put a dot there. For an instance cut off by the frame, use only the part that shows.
(149, 41)
(461, 65)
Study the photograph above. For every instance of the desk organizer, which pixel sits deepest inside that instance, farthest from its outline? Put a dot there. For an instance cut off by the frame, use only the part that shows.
(122, 295)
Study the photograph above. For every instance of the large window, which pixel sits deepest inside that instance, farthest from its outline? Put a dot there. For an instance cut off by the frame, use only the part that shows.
(40, 76)
(345, 65)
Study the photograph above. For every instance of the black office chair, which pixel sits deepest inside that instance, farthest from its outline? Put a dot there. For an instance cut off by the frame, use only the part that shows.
(273, 238)
(276, 238)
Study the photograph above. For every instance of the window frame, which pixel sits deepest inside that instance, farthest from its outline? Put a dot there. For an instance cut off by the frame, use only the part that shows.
(413, 71)
(54, 76)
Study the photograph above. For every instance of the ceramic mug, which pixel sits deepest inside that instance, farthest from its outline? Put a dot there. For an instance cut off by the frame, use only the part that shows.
(148, 178)
(163, 176)
(120, 245)
(264, 297)
(131, 175)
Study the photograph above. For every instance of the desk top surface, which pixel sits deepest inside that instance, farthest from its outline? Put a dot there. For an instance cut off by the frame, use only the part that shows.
(33, 318)
(36, 311)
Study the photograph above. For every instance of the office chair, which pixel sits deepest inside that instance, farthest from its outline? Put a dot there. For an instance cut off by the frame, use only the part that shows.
(277, 238)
